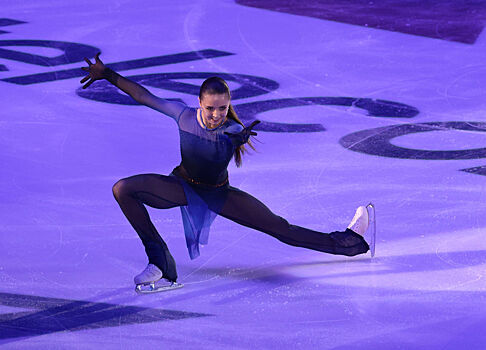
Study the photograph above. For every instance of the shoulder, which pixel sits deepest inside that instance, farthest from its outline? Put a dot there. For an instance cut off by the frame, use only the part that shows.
(189, 110)
(171, 108)
(187, 113)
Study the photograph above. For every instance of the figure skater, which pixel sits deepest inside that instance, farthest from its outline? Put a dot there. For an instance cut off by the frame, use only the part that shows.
(210, 136)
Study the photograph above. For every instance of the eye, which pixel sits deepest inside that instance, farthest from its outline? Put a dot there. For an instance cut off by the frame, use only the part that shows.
(222, 108)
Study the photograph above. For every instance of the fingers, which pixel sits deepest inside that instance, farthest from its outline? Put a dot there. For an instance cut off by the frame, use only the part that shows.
(88, 84)
(245, 133)
(256, 122)
(86, 69)
(252, 125)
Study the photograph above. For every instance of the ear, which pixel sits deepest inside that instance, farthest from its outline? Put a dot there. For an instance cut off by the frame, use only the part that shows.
(199, 102)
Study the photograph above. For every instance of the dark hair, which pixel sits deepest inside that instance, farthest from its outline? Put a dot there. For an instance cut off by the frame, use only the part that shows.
(216, 86)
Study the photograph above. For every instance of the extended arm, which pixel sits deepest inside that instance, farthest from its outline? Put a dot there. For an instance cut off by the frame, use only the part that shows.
(140, 94)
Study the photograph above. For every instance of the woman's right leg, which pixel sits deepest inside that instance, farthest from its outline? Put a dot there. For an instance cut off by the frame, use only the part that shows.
(156, 191)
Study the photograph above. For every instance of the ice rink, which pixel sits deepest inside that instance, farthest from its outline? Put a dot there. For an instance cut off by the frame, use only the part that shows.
(359, 101)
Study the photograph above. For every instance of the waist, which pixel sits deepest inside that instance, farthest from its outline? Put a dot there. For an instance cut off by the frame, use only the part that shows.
(182, 172)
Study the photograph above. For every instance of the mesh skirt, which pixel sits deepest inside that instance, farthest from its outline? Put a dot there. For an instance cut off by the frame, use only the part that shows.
(203, 205)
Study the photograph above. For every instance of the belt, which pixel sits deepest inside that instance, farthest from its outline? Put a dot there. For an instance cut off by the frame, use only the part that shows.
(179, 170)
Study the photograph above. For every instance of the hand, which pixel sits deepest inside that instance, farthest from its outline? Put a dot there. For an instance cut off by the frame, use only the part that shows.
(244, 135)
(95, 71)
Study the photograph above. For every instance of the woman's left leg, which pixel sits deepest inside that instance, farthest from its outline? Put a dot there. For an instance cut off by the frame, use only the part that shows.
(248, 211)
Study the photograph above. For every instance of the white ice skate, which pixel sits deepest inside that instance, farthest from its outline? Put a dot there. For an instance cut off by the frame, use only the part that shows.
(151, 281)
(363, 219)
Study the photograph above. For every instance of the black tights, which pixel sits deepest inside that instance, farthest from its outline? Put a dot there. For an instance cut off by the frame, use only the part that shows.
(163, 192)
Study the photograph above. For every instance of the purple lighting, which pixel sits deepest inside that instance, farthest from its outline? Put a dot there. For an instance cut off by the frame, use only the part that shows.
(358, 103)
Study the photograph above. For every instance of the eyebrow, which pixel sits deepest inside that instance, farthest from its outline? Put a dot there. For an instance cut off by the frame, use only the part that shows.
(218, 107)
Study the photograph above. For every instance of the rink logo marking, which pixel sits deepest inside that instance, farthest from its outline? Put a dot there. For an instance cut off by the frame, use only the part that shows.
(374, 108)
(56, 315)
(10, 22)
(378, 141)
(372, 141)
(251, 86)
(71, 52)
(479, 170)
(74, 52)
(7, 22)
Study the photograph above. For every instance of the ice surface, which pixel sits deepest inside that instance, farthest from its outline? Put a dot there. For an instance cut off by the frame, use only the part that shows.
(68, 255)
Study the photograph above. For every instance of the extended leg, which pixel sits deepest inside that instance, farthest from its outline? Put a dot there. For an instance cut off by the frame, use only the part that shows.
(157, 191)
(246, 210)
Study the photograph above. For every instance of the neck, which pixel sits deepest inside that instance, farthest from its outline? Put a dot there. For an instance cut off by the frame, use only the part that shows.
(203, 120)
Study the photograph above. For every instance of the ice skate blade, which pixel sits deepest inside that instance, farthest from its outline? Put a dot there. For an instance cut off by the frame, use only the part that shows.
(372, 227)
(148, 288)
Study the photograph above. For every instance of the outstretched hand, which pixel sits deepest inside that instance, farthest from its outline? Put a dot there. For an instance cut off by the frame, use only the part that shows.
(95, 71)
(244, 135)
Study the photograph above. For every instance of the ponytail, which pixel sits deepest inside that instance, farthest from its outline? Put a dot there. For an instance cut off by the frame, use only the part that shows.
(240, 150)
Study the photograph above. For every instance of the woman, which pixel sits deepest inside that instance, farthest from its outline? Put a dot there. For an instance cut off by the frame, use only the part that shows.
(210, 136)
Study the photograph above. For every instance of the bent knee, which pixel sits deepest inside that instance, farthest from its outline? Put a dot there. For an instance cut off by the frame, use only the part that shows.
(120, 188)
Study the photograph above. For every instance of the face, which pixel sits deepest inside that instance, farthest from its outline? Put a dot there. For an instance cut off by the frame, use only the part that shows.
(214, 108)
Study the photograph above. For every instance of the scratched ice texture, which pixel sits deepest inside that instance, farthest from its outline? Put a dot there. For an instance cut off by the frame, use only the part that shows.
(361, 102)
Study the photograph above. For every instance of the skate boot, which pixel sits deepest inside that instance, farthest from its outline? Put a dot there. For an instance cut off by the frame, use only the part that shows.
(360, 221)
(364, 218)
(145, 282)
(151, 274)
